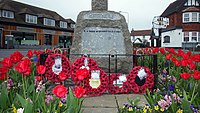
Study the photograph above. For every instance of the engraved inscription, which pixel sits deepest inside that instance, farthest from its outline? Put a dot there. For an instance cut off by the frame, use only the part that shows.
(103, 15)
(98, 40)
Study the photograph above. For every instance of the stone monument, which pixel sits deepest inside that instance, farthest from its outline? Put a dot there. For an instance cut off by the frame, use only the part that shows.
(100, 31)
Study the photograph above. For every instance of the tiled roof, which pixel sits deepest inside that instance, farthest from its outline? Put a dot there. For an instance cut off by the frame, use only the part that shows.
(21, 8)
(173, 7)
(140, 32)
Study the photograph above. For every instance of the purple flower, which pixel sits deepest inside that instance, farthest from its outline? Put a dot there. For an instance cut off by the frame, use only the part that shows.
(171, 87)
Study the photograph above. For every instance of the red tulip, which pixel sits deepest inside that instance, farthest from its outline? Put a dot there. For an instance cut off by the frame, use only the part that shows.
(195, 57)
(28, 71)
(162, 50)
(16, 57)
(41, 69)
(185, 75)
(60, 91)
(29, 54)
(6, 62)
(192, 66)
(168, 56)
(3, 73)
(155, 50)
(177, 63)
(38, 78)
(196, 75)
(180, 52)
(62, 76)
(184, 62)
(82, 73)
(171, 50)
(22, 66)
(185, 56)
(79, 92)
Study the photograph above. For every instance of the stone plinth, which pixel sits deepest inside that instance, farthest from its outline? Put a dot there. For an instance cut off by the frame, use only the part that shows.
(102, 32)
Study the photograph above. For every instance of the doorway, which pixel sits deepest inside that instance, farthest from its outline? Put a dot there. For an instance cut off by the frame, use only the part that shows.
(47, 39)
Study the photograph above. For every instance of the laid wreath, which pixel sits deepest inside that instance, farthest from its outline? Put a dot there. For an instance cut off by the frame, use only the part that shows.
(57, 67)
(116, 89)
(101, 89)
(139, 84)
(79, 65)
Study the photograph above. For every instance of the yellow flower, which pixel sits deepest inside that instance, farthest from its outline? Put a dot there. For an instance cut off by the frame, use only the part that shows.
(60, 104)
(162, 109)
(179, 111)
(156, 107)
(130, 109)
(150, 110)
(14, 109)
(144, 110)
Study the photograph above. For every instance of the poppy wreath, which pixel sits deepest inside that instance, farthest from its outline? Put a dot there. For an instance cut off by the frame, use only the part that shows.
(139, 86)
(101, 89)
(65, 72)
(77, 64)
(115, 89)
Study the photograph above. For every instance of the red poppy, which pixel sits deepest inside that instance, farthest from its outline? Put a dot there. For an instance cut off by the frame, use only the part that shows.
(82, 73)
(79, 91)
(62, 76)
(41, 69)
(38, 78)
(162, 50)
(185, 75)
(16, 57)
(29, 54)
(196, 75)
(168, 56)
(6, 62)
(136, 89)
(60, 91)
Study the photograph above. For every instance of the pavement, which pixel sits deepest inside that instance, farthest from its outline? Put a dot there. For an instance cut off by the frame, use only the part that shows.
(109, 103)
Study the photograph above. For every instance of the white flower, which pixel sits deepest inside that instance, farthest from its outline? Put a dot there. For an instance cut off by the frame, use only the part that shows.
(20, 110)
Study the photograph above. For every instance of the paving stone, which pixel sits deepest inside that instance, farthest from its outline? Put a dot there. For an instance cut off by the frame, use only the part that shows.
(122, 99)
(100, 101)
(100, 110)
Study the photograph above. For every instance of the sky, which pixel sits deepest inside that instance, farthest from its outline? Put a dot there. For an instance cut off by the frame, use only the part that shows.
(138, 13)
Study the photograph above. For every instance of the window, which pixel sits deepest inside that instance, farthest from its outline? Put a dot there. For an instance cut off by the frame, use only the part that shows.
(31, 19)
(186, 17)
(191, 3)
(7, 14)
(72, 25)
(191, 17)
(199, 37)
(194, 36)
(63, 24)
(166, 39)
(186, 36)
(49, 22)
(194, 17)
